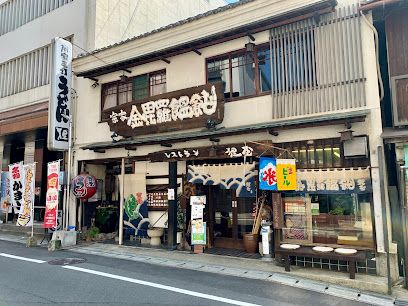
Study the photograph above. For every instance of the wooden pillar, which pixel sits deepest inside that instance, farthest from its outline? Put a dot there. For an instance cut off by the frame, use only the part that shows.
(172, 219)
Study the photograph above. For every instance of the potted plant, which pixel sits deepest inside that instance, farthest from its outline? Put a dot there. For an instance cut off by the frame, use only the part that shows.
(180, 220)
(91, 233)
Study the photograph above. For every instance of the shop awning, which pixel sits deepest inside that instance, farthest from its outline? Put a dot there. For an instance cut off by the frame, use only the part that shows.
(391, 135)
(332, 119)
(238, 176)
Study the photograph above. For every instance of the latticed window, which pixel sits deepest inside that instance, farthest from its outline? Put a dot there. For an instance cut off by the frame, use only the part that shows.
(157, 83)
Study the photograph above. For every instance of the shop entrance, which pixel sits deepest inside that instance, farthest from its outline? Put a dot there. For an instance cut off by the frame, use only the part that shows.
(231, 217)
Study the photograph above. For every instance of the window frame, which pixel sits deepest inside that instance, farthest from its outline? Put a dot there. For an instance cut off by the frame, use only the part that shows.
(128, 81)
(232, 54)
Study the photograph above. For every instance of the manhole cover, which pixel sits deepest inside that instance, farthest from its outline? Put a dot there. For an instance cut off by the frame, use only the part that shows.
(66, 261)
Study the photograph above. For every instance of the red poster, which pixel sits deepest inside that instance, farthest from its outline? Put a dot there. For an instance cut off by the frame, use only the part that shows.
(51, 201)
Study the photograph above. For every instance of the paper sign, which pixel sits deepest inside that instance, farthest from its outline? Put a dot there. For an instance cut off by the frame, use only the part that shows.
(170, 194)
(267, 173)
(286, 174)
(198, 232)
(315, 209)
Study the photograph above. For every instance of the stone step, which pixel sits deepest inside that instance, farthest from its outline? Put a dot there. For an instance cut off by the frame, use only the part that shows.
(11, 228)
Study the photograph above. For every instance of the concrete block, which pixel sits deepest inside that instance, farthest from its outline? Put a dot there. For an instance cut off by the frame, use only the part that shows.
(381, 265)
(31, 242)
(67, 238)
(54, 245)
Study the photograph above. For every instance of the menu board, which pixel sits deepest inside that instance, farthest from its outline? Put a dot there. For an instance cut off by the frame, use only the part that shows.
(157, 199)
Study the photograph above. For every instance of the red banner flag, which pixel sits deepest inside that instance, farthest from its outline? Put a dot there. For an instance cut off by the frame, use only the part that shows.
(52, 196)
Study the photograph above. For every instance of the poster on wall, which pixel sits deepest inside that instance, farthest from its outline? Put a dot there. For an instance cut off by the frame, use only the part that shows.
(59, 223)
(267, 173)
(25, 216)
(16, 185)
(286, 174)
(52, 195)
(5, 192)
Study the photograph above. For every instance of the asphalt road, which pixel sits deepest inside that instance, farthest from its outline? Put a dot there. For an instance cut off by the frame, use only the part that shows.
(105, 281)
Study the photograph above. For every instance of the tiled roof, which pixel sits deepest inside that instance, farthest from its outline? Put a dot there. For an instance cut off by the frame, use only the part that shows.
(170, 26)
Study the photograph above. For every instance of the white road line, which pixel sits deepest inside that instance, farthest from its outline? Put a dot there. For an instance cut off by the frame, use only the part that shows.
(22, 258)
(163, 287)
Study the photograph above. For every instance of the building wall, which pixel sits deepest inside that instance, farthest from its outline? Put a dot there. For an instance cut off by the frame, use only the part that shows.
(188, 70)
(118, 20)
(25, 62)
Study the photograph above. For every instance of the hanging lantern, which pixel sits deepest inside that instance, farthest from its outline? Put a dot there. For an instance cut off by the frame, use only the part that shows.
(84, 186)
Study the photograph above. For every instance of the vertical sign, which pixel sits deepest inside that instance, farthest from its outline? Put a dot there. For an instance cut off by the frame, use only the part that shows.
(286, 174)
(52, 196)
(277, 210)
(198, 226)
(25, 217)
(16, 185)
(60, 100)
(5, 192)
(267, 173)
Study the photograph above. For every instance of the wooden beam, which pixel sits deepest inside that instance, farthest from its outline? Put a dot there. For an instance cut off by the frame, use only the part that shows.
(251, 37)
(166, 60)
(131, 147)
(93, 79)
(99, 150)
(197, 52)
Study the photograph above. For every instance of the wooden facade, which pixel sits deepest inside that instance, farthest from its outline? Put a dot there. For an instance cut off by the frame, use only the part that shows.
(396, 25)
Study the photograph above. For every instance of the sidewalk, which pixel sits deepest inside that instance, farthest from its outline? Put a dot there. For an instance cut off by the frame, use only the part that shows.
(365, 288)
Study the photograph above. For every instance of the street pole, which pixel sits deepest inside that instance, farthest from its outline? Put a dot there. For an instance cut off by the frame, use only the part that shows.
(384, 205)
(68, 182)
(403, 207)
(122, 196)
(172, 214)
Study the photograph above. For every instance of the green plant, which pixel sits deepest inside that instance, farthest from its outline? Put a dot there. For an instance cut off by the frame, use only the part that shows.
(92, 232)
(337, 210)
(180, 215)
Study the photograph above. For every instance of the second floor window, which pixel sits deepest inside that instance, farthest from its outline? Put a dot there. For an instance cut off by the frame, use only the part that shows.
(288, 66)
(133, 89)
(242, 73)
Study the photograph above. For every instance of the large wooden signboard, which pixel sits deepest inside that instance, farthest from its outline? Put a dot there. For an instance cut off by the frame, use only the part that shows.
(172, 111)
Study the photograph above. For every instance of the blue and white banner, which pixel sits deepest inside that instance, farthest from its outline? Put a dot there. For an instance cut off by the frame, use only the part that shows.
(267, 174)
(5, 192)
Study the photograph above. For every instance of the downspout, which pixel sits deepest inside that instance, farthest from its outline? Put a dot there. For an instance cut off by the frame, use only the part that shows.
(377, 55)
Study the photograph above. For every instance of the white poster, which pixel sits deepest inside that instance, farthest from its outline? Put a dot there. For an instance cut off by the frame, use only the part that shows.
(25, 217)
(16, 185)
(197, 211)
(60, 100)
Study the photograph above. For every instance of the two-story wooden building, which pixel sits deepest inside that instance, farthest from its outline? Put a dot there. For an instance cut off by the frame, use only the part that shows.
(196, 103)
(391, 23)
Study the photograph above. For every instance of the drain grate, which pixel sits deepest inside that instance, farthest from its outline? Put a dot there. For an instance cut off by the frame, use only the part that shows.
(66, 261)
(401, 302)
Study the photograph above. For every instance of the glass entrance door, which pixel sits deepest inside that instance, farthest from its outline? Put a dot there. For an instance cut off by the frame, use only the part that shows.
(232, 217)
